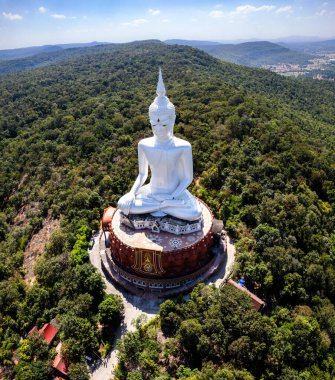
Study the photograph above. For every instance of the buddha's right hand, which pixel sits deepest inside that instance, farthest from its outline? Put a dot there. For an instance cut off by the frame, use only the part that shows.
(125, 202)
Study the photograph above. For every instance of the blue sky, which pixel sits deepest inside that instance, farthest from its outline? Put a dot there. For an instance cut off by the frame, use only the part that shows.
(38, 22)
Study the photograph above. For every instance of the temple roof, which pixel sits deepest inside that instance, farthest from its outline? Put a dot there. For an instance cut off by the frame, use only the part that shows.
(60, 364)
(47, 332)
(256, 301)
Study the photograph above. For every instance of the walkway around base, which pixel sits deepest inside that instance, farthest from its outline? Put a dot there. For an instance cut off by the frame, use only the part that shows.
(136, 305)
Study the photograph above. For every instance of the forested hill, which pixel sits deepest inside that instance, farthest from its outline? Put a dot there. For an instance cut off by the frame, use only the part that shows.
(254, 54)
(263, 149)
(9, 54)
(15, 60)
(257, 54)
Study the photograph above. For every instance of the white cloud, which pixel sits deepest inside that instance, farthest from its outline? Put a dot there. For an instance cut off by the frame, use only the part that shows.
(42, 9)
(246, 9)
(194, 19)
(285, 9)
(11, 17)
(216, 14)
(154, 12)
(165, 20)
(322, 12)
(137, 22)
(58, 16)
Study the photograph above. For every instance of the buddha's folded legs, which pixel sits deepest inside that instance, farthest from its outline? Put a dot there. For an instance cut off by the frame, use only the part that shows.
(184, 207)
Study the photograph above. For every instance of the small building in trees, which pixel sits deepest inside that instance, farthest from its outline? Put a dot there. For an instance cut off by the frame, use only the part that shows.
(257, 303)
(59, 364)
(47, 332)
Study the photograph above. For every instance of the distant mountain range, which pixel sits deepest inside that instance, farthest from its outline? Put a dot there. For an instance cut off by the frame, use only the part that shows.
(39, 56)
(193, 43)
(315, 47)
(9, 54)
(255, 54)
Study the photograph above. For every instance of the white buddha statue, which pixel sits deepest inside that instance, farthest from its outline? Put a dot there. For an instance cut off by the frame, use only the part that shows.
(171, 167)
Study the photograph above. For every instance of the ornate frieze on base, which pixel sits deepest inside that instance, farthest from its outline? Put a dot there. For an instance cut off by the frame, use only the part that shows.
(157, 224)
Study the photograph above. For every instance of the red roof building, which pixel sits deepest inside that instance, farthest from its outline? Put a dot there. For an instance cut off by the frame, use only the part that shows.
(257, 302)
(47, 332)
(60, 365)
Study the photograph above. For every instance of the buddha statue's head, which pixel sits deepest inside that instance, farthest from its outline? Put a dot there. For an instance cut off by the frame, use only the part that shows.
(162, 113)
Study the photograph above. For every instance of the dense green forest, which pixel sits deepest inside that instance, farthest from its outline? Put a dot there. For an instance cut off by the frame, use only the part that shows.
(263, 148)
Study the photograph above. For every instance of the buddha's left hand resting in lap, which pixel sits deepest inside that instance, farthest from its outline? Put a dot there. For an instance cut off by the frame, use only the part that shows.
(171, 167)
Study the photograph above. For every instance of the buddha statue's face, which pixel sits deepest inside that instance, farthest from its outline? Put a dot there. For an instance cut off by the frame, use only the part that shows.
(162, 125)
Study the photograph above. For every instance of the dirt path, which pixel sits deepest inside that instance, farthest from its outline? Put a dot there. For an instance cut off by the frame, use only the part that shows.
(135, 306)
(36, 247)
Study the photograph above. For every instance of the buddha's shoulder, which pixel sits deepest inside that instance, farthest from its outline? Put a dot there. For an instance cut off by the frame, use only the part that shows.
(181, 143)
(149, 141)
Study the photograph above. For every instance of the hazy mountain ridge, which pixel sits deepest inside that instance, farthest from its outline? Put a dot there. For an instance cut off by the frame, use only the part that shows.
(314, 47)
(258, 54)
(253, 54)
(54, 55)
(38, 60)
(192, 43)
(51, 55)
(18, 53)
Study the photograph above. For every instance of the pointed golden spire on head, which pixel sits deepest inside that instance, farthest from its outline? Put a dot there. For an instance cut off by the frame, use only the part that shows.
(160, 85)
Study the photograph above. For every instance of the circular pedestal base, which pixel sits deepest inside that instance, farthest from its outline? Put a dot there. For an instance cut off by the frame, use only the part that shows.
(160, 262)
(160, 255)
(152, 265)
